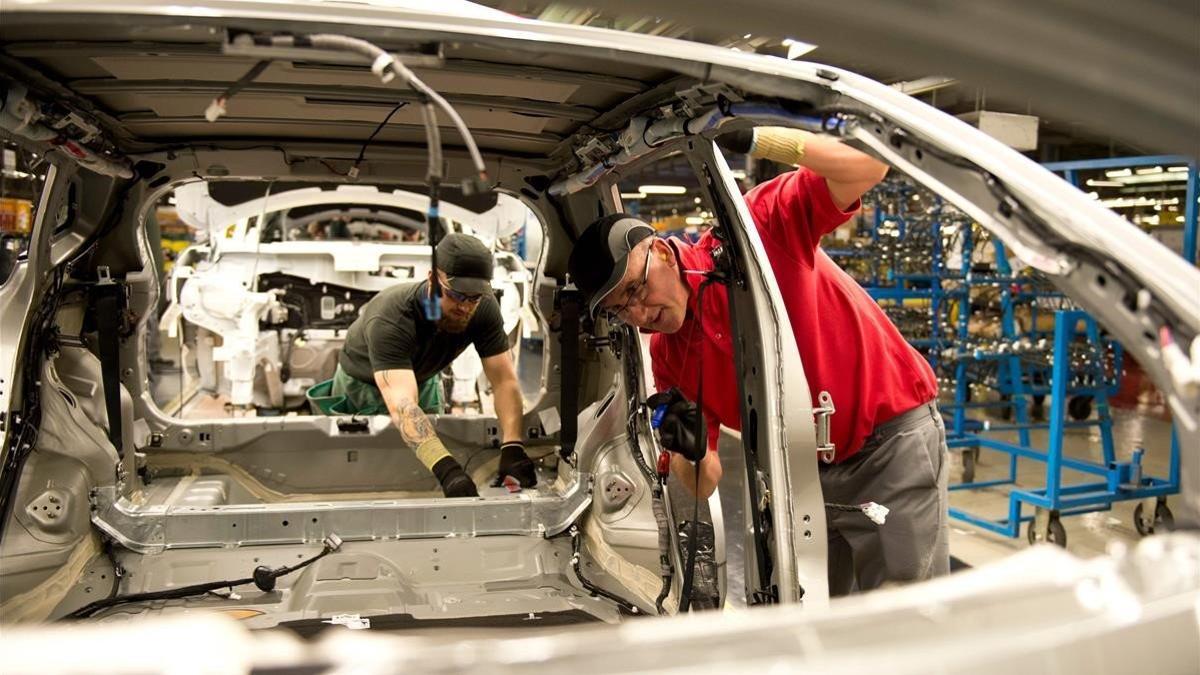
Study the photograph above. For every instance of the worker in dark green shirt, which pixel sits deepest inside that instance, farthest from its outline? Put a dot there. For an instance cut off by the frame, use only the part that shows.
(392, 348)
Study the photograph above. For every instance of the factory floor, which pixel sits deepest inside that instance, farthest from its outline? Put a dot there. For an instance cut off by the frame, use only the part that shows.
(1088, 534)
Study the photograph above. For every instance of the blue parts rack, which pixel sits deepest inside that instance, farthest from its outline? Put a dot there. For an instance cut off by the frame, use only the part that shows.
(1003, 338)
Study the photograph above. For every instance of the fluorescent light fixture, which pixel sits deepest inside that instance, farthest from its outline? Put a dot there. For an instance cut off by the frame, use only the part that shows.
(1160, 177)
(796, 48)
(1177, 169)
(1127, 202)
(694, 220)
(1148, 171)
(1117, 173)
(633, 195)
(747, 36)
(1092, 182)
(662, 189)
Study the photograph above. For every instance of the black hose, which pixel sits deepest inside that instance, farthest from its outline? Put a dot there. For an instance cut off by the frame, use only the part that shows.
(699, 432)
(363, 150)
(577, 565)
(244, 80)
(263, 577)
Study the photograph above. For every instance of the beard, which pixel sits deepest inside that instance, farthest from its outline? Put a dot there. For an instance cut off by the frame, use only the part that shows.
(453, 323)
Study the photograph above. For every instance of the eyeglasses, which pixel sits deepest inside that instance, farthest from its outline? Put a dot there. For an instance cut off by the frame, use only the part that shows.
(633, 295)
(461, 297)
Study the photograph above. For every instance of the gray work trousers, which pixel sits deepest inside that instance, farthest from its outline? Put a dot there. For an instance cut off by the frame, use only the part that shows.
(902, 466)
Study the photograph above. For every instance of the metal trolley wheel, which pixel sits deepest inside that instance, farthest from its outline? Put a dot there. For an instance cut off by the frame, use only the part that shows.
(1079, 407)
(1163, 518)
(1055, 532)
(970, 459)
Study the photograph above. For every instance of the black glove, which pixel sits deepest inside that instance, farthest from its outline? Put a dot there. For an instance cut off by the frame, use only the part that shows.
(514, 462)
(739, 142)
(681, 426)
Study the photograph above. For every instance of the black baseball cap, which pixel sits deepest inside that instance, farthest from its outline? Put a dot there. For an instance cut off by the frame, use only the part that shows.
(466, 262)
(601, 256)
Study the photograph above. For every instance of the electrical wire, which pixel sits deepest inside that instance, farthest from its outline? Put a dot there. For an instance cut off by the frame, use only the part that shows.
(244, 80)
(381, 62)
(701, 436)
(433, 219)
(577, 565)
(363, 150)
(263, 577)
(258, 227)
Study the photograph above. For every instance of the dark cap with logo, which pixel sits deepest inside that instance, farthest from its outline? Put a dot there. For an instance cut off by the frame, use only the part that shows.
(466, 262)
(601, 255)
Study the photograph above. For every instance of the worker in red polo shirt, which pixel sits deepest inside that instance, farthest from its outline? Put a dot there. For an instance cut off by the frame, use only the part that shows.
(889, 438)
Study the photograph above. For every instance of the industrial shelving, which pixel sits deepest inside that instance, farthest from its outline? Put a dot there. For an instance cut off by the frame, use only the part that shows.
(927, 264)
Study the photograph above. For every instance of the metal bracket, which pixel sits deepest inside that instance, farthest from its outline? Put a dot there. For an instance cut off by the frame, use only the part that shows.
(822, 414)
(695, 99)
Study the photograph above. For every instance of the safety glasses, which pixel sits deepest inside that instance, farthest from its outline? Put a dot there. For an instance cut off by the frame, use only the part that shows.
(461, 297)
(634, 295)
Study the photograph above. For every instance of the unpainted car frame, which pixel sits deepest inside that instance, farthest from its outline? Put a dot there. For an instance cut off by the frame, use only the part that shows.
(1141, 292)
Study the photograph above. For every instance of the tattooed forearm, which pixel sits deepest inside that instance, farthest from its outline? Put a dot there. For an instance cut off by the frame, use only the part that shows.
(414, 426)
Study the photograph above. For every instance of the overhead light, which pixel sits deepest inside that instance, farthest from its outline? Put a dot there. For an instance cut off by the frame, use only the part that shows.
(662, 189)
(1092, 182)
(1148, 171)
(1177, 169)
(696, 200)
(633, 195)
(1127, 202)
(738, 174)
(1117, 173)
(796, 48)
(746, 36)
(694, 220)
(1159, 177)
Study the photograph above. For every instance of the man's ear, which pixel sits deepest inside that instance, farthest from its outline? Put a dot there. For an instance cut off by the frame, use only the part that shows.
(662, 251)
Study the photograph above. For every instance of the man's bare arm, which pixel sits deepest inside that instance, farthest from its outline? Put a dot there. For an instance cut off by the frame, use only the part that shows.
(399, 390)
(848, 172)
(506, 390)
(710, 473)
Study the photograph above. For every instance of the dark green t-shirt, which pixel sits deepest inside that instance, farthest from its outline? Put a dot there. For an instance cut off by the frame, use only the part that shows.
(392, 333)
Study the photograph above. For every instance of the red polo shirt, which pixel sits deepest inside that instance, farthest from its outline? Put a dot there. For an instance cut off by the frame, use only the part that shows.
(847, 344)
